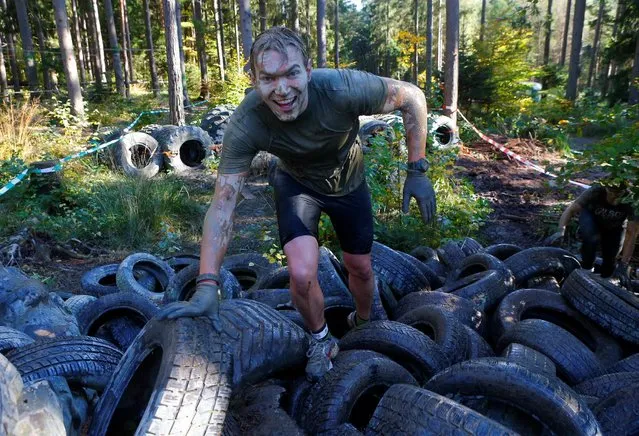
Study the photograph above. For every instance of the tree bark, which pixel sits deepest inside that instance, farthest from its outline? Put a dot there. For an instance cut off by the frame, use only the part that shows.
(321, 33)
(308, 24)
(451, 75)
(610, 68)
(178, 17)
(246, 27)
(128, 43)
(11, 52)
(564, 44)
(575, 50)
(295, 16)
(336, 45)
(42, 48)
(101, 60)
(482, 23)
(78, 40)
(595, 44)
(633, 94)
(27, 43)
(115, 47)
(429, 45)
(237, 37)
(4, 88)
(201, 49)
(219, 36)
(440, 46)
(155, 83)
(262, 7)
(176, 94)
(548, 24)
(124, 51)
(68, 58)
(415, 46)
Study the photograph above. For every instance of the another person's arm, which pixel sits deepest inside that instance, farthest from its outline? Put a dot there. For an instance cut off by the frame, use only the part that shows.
(632, 231)
(573, 209)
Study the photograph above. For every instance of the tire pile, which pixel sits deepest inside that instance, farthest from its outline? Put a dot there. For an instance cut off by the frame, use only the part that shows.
(462, 340)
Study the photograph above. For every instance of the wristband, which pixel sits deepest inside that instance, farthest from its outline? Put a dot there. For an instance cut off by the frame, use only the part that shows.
(207, 277)
(420, 165)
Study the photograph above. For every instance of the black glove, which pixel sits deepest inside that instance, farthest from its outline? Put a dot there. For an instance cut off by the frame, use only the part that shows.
(419, 186)
(554, 239)
(622, 272)
(204, 302)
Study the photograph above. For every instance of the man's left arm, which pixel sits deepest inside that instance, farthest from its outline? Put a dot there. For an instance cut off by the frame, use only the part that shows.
(623, 268)
(411, 102)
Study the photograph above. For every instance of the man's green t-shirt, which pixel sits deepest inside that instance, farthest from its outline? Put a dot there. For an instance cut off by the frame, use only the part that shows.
(317, 149)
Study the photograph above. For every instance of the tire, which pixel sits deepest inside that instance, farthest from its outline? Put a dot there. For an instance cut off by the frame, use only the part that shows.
(101, 280)
(372, 128)
(541, 261)
(613, 308)
(531, 359)
(477, 346)
(617, 414)
(125, 279)
(475, 263)
(279, 278)
(443, 132)
(184, 147)
(349, 393)
(484, 289)
(629, 364)
(403, 344)
(575, 362)
(336, 310)
(433, 278)
(82, 360)
(463, 309)
(11, 338)
(174, 379)
(410, 410)
(605, 385)
(248, 268)
(388, 300)
(451, 255)
(424, 253)
(122, 332)
(331, 281)
(150, 129)
(181, 261)
(470, 246)
(138, 155)
(356, 356)
(549, 400)
(442, 327)
(399, 273)
(10, 392)
(548, 283)
(552, 307)
(182, 285)
(278, 299)
(502, 251)
(215, 121)
(77, 302)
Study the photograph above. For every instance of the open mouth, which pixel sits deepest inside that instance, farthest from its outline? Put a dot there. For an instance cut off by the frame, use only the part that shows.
(286, 104)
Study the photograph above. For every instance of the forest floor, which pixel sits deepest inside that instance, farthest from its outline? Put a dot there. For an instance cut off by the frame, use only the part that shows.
(526, 207)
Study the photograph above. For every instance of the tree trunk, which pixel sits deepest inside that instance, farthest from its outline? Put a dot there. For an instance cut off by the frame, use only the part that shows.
(98, 39)
(219, 36)
(336, 46)
(575, 50)
(295, 16)
(4, 88)
(78, 40)
(321, 33)
(237, 38)
(429, 45)
(548, 24)
(68, 58)
(201, 49)
(564, 44)
(11, 51)
(482, 23)
(308, 24)
(452, 59)
(176, 94)
(178, 17)
(128, 43)
(44, 59)
(155, 83)
(595, 44)
(633, 94)
(115, 48)
(415, 46)
(246, 27)
(610, 68)
(262, 7)
(27, 43)
(124, 51)
(440, 46)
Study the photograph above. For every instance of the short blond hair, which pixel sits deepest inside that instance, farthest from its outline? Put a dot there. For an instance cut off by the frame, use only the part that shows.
(278, 39)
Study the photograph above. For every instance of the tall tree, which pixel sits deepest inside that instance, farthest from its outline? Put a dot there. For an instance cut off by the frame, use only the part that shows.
(115, 48)
(575, 50)
(633, 94)
(429, 45)
(42, 48)
(246, 27)
(440, 46)
(262, 8)
(127, 34)
(68, 58)
(198, 24)
(155, 83)
(97, 31)
(610, 67)
(78, 39)
(321, 33)
(237, 38)
(4, 87)
(595, 44)
(415, 45)
(295, 16)
(27, 43)
(219, 37)
(124, 50)
(178, 17)
(482, 23)
(564, 44)
(336, 44)
(548, 25)
(11, 51)
(176, 94)
(451, 75)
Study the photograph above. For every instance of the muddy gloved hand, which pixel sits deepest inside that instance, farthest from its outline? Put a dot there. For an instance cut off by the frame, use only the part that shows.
(622, 272)
(418, 185)
(204, 302)
(554, 239)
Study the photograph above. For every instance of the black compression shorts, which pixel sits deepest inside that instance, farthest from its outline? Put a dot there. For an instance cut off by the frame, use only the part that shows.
(299, 208)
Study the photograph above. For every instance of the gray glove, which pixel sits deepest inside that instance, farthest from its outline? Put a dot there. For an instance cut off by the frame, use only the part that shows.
(554, 239)
(418, 185)
(622, 272)
(204, 302)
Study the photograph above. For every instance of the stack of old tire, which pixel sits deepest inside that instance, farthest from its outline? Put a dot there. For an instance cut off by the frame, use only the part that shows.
(463, 339)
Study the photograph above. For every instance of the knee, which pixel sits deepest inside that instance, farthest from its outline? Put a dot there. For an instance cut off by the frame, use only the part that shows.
(362, 269)
(302, 278)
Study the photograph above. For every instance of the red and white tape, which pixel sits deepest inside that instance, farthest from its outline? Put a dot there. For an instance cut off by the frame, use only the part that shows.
(511, 154)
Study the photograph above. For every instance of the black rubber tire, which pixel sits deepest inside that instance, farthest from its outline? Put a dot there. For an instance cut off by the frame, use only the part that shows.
(502, 251)
(477, 346)
(433, 278)
(470, 246)
(336, 310)
(548, 399)
(351, 392)
(404, 344)
(278, 299)
(541, 261)
(11, 388)
(100, 280)
(617, 414)
(552, 307)
(605, 385)
(297, 390)
(424, 253)
(372, 128)
(548, 283)
(347, 357)
(77, 302)
(279, 278)
(11, 338)
(450, 254)
(575, 362)
(174, 379)
(410, 410)
(138, 155)
(122, 332)
(400, 274)
(126, 281)
(331, 281)
(214, 122)
(613, 308)
(629, 364)
(531, 359)
(180, 261)
(442, 132)
(248, 268)
(388, 299)
(82, 360)
(442, 327)
(463, 309)
(149, 129)
(475, 263)
(184, 147)
(484, 289)
(182, 285)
